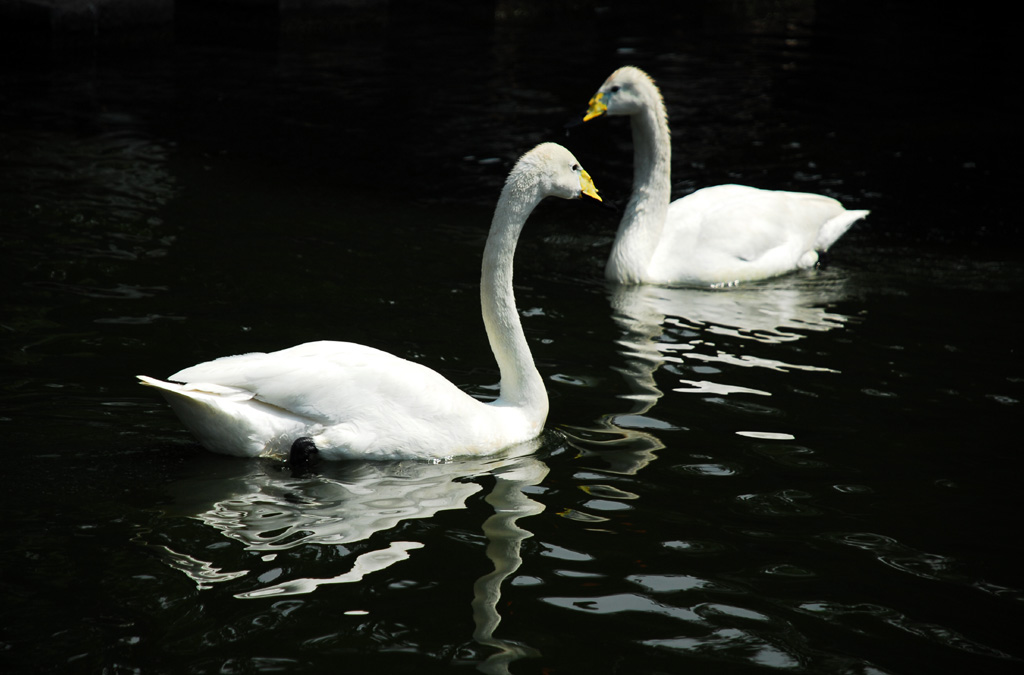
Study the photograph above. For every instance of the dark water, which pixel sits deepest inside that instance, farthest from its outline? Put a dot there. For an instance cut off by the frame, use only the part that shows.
(814, 474)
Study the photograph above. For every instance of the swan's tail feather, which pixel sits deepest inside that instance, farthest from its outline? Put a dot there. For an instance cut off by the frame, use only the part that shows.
(837, 227)
(220, 390)
(232, 421)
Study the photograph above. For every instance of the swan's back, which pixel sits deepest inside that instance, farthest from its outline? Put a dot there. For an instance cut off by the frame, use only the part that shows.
(731, 233)
(327, 381)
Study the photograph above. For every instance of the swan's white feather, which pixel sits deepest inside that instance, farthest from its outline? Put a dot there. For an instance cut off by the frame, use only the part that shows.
(326, 381)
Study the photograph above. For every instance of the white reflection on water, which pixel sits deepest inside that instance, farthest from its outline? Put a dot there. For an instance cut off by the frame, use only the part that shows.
(722, 334)
(504, 543)
(364, 564)
(272, 511)
(714, 328)
(199, 571)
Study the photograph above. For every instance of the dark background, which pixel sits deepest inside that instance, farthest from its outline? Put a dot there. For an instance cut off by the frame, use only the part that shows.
(185, 180)
(923, 99)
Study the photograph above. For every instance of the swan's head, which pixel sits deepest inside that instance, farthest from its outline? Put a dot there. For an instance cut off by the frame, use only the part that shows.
(627, 91)
(556, 172)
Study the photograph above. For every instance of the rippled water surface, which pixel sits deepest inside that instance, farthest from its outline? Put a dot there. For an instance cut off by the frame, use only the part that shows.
(819, 473)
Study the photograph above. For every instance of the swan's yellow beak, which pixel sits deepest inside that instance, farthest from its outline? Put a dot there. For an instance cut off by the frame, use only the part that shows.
(597, 108)
(587, 185)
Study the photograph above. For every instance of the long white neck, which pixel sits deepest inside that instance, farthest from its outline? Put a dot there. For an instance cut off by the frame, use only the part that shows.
(644, 218)
(521, 384)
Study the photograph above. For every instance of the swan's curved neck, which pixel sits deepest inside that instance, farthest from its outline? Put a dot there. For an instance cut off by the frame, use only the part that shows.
(521, 384)
(644, 218)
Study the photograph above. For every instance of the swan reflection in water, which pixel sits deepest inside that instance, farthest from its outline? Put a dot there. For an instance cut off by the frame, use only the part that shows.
(720, 327)
(711, 331)
(270, 510)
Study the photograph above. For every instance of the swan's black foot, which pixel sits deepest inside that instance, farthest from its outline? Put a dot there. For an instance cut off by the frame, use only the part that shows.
(303, 453)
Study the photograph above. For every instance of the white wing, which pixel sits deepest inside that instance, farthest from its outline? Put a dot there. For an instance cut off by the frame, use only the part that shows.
(733, 233)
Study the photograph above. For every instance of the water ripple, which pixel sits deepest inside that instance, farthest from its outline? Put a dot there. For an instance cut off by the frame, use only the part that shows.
(734, 644)
(901, 557)
(623, 602)
(118, 292)
(784, 503)
(853, 615)
(669, 583)
(364, 564)
(709, 469)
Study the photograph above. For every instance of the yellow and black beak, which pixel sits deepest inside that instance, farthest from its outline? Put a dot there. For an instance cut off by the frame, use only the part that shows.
(587, 185)
(597, 107)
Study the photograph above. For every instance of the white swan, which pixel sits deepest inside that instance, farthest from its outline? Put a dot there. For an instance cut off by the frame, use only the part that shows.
(358, 402)
(715, 236)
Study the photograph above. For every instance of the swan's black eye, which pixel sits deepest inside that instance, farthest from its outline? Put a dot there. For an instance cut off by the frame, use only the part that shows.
(575, 167)
(615, 89)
